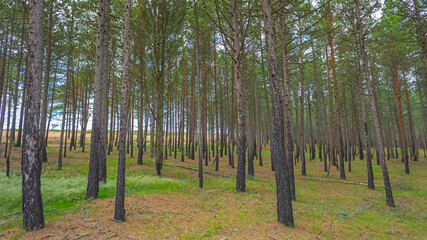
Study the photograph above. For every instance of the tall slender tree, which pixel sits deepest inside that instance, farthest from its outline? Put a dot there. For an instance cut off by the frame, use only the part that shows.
(32, 204)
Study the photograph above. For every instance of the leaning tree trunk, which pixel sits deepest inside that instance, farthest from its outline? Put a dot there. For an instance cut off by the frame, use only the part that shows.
(380, 144)
(364, 117)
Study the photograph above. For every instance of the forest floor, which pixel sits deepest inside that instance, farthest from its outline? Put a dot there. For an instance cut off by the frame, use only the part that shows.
(174, 207)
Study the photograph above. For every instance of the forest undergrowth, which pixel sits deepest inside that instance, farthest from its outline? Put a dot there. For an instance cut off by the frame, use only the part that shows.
(172, 206)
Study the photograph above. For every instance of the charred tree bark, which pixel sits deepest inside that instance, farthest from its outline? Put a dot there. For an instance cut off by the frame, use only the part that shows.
(283, 187)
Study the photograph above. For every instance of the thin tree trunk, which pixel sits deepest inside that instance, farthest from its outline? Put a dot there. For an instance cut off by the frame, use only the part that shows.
(46, 84)
(301, 68)
(241, 152)
(370, 173)
(64, 112)
(119, 210)
(337, 105)
(387, 185)
(404, 148)
(288, 109)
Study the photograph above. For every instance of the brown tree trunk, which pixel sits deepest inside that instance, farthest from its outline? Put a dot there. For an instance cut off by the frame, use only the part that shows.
(413, 141)
(404, 148)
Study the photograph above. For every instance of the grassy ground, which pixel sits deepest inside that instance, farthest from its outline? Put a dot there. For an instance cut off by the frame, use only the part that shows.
(173, 207)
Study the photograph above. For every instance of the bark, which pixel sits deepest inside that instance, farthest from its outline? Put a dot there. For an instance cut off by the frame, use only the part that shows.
(337, 104)
(97, 153)
(141, 109)
(386, 179)
(413, 141)
(119, 211)
(74, 105)
(32, 204)
(301, 68)
(331, 132)
(288, 109)
(241, 130)
(421, 40)
(267, 102)
(47, 67)
(111, 138)
(103, 114)
(216, 110)
(404, 148)
(283, 186)
(181, 125)
(200, 110)
(370, 173)
(64, 112)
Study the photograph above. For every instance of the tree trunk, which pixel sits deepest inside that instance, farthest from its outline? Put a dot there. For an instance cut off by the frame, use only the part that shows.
(404, 148)
(32, 204)
(387, 185)
(97, 153)
(301, 68)
(64, 112)
(370, 173)
(337, 105)
(119, 210)
(241, 130)
(288, 107)
(47, 67)
(413, 141)
(283, 186)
